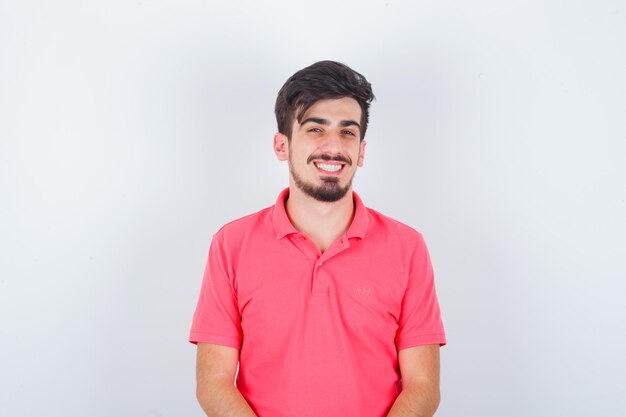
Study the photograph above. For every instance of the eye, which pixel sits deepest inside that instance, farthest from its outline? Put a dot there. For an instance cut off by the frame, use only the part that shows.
(349, 133)
(314, 130)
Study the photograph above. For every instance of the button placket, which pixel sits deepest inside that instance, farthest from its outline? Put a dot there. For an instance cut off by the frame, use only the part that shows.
(320, 279)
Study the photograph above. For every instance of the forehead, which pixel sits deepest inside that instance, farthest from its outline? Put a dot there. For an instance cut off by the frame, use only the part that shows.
(345, 108)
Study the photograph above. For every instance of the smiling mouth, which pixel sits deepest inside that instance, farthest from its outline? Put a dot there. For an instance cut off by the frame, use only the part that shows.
(329, 168)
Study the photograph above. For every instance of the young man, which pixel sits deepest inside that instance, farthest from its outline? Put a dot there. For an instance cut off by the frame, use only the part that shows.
(328, 307)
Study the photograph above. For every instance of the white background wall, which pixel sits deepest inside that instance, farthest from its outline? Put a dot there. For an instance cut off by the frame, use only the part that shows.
(130, 131)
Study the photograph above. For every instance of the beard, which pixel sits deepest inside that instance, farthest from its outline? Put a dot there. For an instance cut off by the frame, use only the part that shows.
(329, 191)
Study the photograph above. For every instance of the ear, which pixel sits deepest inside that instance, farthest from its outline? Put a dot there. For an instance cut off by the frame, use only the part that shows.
(361, 153)
(281, 146)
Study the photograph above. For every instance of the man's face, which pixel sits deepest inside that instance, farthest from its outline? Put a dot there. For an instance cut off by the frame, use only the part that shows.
(325, 149)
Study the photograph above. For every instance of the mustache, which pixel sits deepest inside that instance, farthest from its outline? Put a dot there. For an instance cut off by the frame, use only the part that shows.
(327, 157)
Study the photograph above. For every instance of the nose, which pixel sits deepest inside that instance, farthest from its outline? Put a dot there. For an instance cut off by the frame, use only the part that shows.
(332, 143)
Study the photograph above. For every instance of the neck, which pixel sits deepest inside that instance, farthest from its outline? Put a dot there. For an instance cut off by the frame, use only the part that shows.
(323, 222)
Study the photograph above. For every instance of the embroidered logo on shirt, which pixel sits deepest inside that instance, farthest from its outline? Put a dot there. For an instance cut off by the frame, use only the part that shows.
(363, 290)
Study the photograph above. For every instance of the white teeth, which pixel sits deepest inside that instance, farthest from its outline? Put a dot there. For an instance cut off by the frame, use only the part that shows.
(328, 167)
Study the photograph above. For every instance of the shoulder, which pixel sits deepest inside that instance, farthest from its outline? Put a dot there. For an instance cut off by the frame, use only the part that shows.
(253, 224)
(394, 234)
(382, 223)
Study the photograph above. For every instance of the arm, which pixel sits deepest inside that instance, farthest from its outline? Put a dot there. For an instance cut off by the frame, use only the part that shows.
(419, 368)
(215, 374)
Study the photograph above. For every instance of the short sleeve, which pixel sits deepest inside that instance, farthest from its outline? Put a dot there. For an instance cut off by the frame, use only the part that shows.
(216, 319)
(420, 318)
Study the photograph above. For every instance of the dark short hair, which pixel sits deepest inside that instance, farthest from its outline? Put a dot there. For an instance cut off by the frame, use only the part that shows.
(322, 80)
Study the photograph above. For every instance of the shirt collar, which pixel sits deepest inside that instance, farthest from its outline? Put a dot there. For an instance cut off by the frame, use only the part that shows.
(283, 226)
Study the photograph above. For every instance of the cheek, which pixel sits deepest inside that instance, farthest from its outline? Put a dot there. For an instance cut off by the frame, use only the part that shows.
(298, 155)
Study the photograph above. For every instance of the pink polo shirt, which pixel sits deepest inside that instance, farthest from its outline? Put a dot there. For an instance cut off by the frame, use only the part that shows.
(318, 334)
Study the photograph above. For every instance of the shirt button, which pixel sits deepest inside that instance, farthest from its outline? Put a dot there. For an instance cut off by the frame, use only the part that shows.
(301, 237)
(320, 264)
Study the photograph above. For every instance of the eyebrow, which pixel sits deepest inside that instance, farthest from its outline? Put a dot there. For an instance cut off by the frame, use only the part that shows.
(343, 123)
